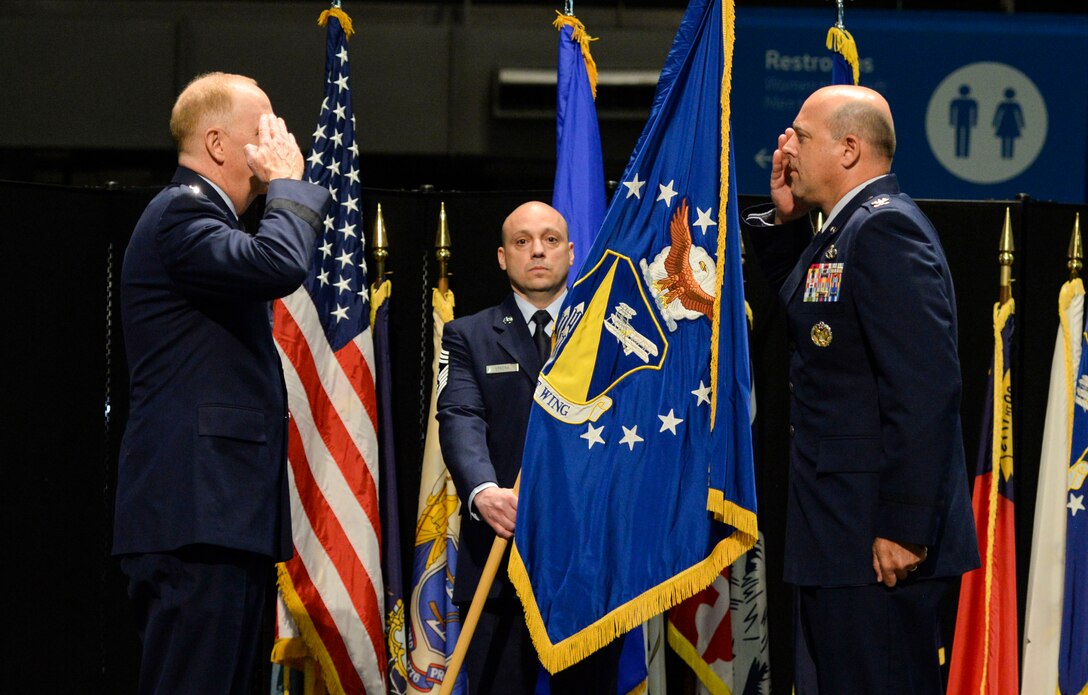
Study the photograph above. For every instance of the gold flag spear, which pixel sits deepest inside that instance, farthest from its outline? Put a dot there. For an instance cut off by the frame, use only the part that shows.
(1076, 251)
(442, 250)
(1005, 258)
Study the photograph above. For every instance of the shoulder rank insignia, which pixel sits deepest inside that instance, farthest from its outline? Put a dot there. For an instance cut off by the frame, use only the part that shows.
(831, 253)
(821, 334)
(881, 201)
(824, 281)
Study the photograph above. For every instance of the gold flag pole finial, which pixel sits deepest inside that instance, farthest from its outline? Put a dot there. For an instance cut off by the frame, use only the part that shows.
(1005, 258)
(1076, 251)
(442, 250)
(379, 243)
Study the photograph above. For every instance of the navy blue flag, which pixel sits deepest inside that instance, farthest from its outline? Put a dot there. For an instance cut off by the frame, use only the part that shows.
(637, 486)
(388, 508)
(1073, 652)
(578, 193)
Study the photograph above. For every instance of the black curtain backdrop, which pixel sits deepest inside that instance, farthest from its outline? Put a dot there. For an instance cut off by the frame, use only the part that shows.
(67, 403)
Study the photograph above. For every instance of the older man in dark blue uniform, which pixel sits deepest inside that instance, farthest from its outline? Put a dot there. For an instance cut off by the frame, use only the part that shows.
(202, 510)
(879, 515)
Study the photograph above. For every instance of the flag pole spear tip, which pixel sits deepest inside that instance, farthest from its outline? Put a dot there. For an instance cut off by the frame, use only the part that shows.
(442, 249)
(1005, 257)
(568, 7)
(379, 242)
(838, 22)
(1076, 251)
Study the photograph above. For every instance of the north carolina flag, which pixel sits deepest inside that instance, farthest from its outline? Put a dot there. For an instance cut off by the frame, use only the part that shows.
(1043, 613)
(1073, 650)
(985, 645)
(637, 486)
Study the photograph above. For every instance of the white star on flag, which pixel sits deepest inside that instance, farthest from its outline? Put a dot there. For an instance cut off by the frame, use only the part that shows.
(315, 158)
(341, 313)
(704, 220)
(630, 437)
(330, 223)
(670, 421)
(634, 187)
(323, 277)
(319, 133)
(592, 435)
(666, 193)
(343, 55)
(1076, 504)
(352, 204)
(344, 285)
(342, 83)
(347, 229)
(326, 249)
(345, 258)
(702, 394)
(339, 111)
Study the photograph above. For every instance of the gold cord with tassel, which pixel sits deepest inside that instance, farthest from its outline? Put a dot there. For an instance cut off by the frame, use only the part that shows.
(579, 34)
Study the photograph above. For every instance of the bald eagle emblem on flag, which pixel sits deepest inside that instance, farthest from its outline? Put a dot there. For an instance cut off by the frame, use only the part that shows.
(682, 276)
(600, 344)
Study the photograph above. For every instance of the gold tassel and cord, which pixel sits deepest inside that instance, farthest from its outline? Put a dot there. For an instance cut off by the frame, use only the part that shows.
(582, 38)
(345, 20)
(840, 41)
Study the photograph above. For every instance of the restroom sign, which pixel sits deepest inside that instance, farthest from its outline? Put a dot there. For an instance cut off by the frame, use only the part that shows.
(986, 122)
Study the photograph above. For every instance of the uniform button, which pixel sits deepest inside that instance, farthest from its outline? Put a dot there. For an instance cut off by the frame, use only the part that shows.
(791, 430)
(791, 387)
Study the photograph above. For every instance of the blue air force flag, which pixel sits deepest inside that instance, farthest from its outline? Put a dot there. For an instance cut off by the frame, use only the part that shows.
(637, 486)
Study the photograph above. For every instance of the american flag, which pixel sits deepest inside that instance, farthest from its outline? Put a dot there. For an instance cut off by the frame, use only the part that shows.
(332, 587)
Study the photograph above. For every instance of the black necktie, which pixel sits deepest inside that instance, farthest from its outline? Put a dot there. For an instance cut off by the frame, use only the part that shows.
(543, 342)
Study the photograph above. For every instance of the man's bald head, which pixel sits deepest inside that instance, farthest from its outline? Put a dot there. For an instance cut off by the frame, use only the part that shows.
(860, 111)
(536, 252)
(208, 99)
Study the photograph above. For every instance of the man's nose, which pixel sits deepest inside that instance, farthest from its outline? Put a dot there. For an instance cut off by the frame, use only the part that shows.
(537, 248)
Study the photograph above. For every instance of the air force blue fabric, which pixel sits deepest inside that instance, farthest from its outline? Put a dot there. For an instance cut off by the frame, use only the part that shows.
(579, 170)
(1073, 652)
(620, 459)
(203, 459)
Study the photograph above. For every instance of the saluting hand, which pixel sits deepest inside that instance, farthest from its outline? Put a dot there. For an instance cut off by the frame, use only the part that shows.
(276, 154)
(786, 207)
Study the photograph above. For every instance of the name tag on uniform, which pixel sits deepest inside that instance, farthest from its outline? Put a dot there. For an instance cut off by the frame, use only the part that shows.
(823, 282)
(502, 368)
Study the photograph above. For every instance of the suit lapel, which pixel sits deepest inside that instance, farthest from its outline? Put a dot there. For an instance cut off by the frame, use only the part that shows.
(514, 338)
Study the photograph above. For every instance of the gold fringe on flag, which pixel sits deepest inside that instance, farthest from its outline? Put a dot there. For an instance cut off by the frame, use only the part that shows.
(579, 34)
(345, 20)
(729, 17)
(623, 619)
(306, 627)
(840, 41)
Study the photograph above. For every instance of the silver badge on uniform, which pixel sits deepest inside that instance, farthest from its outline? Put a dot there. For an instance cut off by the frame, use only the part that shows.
(502, 368)
(881, 201)
(831, 253)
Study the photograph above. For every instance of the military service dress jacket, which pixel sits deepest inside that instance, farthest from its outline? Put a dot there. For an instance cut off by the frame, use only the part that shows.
(874, 377)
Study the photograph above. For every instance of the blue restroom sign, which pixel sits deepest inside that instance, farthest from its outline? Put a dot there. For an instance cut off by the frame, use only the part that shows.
(986, 122)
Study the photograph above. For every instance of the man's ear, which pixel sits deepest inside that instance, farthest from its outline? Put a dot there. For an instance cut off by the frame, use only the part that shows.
(570, 252)
(851, 152)
(502, 258)
(214, 144)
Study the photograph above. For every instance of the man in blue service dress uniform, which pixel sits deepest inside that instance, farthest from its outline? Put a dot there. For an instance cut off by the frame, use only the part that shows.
(878, 517)
(202, 510)
(488, 372)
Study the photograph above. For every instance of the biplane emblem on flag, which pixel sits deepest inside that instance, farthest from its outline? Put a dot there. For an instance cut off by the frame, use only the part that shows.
(600, 345)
